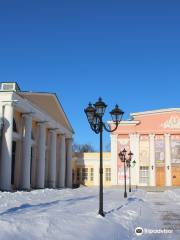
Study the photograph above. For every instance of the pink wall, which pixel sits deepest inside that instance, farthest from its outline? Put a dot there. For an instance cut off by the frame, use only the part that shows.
(156, 123)
(159, 123)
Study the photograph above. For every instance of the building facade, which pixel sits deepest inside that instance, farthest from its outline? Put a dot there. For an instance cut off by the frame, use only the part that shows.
(35, 140)
(154, 139)
(86, 169)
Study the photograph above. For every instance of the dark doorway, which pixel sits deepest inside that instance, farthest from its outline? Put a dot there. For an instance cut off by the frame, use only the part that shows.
(31, 167)
(13, 162)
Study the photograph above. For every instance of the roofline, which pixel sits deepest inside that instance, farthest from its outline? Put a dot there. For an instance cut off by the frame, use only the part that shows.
(154, 111)
(57, 99)
(127, 122)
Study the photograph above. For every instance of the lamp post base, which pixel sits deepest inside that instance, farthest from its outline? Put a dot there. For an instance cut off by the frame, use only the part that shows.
(125, 194)
(101, 213)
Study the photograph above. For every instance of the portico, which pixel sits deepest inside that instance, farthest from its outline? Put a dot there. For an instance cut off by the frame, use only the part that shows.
(36, 141)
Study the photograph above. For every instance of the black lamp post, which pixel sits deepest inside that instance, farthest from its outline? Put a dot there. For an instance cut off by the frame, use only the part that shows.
(129, 165)
(126, 161)
(122, 156)
(95, 115)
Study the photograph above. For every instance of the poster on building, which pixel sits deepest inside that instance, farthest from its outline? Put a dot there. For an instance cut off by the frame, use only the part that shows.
(144, 150)
(123, 143)
(121, 175)
(175, 149)
(159, 150)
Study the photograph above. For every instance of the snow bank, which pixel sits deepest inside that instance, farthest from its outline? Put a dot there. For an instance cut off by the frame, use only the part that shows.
(68, 214)
(72, 214)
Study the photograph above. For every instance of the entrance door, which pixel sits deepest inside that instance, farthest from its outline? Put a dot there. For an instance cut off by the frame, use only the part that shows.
(160, 176)
(175, 176)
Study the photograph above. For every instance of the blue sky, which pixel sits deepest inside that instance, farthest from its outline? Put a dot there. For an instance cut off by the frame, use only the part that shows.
(128, 52)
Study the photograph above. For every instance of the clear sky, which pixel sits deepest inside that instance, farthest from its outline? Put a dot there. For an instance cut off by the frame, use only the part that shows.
(128, 52)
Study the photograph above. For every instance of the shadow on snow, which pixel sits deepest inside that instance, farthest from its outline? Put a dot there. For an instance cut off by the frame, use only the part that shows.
(129, 200)
(23, 207)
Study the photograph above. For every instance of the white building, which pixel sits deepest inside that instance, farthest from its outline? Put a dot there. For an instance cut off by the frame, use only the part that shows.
(35, 140)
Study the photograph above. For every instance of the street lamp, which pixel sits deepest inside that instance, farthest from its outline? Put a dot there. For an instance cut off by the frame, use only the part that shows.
(95, 115)
(122, 156)
(129, 165)
(126, 161)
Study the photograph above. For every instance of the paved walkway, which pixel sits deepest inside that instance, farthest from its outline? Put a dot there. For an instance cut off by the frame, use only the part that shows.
(167, 211)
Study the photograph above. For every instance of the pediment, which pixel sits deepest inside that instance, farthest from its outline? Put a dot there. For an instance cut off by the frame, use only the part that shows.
(160, 120)
(49, 103)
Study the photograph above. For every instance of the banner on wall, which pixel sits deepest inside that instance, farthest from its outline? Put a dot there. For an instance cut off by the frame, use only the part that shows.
(144, 151)
(159, 150)
(175, 149)
(121, 175)
(123, 142)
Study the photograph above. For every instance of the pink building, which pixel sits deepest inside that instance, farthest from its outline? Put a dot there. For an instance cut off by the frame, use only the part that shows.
(154, 139)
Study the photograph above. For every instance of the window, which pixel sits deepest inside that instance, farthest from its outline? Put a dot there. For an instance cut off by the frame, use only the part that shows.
(175, 149)
(108, 174)
(92, 175)
(144, 150)
(144, 175)
(85, 174)
(78, 174)
(159, 149)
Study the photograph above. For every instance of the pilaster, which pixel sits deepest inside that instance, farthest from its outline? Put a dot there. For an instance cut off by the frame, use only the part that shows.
(168, 160)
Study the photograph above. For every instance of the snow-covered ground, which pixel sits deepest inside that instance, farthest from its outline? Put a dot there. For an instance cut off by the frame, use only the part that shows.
(72, 214)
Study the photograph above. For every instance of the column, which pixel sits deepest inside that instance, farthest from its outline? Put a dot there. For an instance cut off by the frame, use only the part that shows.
(168, 159)
(41, 151)
(52, 160)
(61, 161)
(69, 162)
(152, 159)
(134, 146)
(96, 173)
(6, 149)
(26, 152)
(114, 155)
(47, 157)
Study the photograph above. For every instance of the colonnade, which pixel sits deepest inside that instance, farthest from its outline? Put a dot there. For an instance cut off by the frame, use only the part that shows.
(53, 152)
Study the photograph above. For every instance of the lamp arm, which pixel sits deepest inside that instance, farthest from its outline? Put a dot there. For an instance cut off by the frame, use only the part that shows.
(108, 129)
(95, 124)
(95, 128)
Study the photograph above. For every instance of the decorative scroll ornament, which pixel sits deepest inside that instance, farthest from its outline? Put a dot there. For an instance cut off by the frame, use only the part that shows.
(173, 122)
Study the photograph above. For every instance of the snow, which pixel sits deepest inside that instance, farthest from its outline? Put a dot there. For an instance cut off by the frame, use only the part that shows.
(72, 214)
(174, 194)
